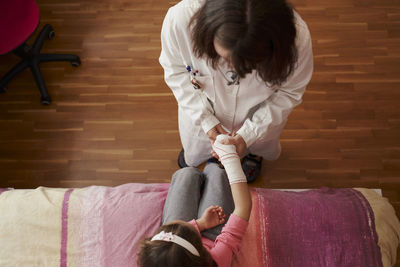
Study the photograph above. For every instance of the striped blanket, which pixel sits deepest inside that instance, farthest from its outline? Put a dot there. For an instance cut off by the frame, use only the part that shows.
(101, 226)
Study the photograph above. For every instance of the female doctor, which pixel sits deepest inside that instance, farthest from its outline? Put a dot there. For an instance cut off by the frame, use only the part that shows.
(236, 67)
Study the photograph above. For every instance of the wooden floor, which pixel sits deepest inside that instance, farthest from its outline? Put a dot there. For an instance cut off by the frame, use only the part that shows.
(114, 121)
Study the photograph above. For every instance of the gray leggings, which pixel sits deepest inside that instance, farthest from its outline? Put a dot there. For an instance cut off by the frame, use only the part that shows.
(192, 192)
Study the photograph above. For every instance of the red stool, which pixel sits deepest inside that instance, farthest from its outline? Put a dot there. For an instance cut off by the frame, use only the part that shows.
(18, 21)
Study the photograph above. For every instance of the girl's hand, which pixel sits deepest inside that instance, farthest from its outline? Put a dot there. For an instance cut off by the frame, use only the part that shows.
(212, 216)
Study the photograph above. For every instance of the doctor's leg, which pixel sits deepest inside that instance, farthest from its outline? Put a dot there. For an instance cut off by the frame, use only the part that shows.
(196, 144)
(269, 147)
(269, 150)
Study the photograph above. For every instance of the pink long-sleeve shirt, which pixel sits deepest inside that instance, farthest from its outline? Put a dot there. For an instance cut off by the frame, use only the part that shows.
(228, 242)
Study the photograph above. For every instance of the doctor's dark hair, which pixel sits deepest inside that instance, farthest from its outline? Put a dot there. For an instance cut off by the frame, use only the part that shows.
(260, 34)
(168, 254)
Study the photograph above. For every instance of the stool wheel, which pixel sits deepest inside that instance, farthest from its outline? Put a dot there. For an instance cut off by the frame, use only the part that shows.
(51, 34)
(45, 101)
(3, 89)
(76, 63)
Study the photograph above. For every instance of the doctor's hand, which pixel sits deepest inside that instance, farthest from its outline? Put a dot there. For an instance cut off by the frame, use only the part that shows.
(214, 132)
(236, 140)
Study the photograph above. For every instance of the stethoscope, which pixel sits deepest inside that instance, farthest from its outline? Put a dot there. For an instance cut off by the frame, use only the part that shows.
(231, 77)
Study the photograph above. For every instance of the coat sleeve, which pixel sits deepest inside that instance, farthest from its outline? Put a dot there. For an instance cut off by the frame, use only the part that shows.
(175, 51)
(228, 243)
(275, 110)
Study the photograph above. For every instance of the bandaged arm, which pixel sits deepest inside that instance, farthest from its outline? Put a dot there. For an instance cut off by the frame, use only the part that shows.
(230, 159)
(237, 179)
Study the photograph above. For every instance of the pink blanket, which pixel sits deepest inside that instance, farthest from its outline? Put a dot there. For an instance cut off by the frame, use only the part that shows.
(101, 226)
(325, 227)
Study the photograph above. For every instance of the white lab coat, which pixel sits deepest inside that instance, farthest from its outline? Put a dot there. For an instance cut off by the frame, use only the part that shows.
(253, 108)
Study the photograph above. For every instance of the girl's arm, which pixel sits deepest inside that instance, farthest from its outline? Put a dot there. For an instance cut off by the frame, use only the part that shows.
(237, 179)
(242, 199)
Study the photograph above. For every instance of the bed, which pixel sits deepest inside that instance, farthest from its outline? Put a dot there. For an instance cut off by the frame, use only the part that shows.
(101, 226)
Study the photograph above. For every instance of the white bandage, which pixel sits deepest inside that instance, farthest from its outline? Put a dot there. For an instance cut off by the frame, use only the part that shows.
(230, 159)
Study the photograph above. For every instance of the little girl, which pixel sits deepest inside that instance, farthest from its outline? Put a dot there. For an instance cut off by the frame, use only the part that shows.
(183, 240)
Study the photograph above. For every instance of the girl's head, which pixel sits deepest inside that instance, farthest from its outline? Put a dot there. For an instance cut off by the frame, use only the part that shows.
(165, 253)
(252, 35)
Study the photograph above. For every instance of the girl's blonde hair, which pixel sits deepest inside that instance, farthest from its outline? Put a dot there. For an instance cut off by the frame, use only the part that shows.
(168, 254)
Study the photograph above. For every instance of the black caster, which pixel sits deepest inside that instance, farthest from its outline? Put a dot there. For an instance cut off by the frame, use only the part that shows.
(3, 89)
(45, 101)
(51, 34)
(76, 63)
